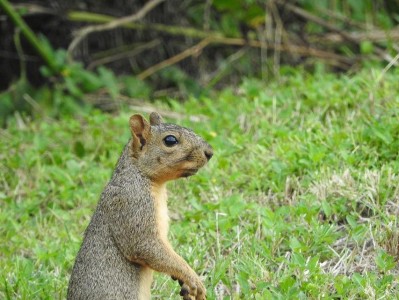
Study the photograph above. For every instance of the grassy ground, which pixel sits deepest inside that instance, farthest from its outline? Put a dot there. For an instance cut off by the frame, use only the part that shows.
(301, 200)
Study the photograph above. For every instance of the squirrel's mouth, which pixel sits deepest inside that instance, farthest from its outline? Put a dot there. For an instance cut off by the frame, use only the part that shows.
(189, 172)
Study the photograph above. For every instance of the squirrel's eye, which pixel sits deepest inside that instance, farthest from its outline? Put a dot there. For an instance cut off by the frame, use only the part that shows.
(170, 140)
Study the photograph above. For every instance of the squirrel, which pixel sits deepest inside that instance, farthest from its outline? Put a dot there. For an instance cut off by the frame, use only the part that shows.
(126, 239)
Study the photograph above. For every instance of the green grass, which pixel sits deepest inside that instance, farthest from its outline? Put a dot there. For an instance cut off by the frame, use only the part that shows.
(301, 200)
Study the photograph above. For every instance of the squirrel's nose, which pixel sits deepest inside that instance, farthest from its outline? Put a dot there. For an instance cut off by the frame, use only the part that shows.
(208, 154)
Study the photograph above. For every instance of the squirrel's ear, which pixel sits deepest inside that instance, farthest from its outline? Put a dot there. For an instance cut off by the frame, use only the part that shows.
(140, 129)
(155, 118)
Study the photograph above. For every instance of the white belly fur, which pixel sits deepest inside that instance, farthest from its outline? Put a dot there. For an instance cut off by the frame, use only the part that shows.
(145, 283)
(161, 209)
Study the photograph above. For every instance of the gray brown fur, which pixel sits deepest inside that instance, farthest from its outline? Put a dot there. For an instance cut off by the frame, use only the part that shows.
(126, 238)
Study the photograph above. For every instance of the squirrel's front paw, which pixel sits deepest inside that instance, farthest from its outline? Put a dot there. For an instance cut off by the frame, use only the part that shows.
(193, 290)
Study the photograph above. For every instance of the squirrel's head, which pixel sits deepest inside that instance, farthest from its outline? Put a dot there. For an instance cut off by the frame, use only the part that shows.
(166, 151)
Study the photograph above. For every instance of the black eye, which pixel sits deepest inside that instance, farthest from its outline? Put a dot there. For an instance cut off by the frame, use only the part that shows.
(170, 140)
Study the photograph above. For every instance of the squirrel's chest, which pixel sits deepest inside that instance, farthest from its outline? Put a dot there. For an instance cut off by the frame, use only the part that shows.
(161, 210)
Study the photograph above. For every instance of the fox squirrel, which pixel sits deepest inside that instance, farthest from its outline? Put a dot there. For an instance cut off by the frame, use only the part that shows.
(126, 239)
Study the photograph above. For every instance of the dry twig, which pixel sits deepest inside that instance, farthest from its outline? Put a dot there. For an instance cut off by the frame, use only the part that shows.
(332, 58)
(194, 50)
(125, 54)
(387, 67)
(84, 32)
(315, 19)
(344, 35)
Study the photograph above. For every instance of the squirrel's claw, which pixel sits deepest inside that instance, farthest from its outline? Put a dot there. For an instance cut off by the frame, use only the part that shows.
(193, 292)
(184, 292)
(174, 278)
(187, 291)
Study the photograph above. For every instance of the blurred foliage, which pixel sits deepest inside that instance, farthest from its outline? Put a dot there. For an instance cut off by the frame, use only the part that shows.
(232, 15)
(66, 89)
